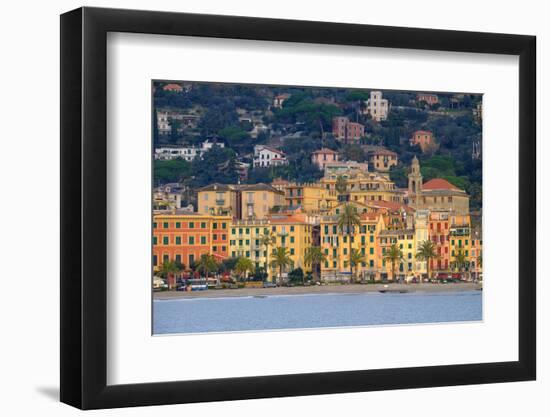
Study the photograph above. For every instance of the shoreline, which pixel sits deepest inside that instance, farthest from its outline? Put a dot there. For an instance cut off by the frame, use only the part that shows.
(319, 289)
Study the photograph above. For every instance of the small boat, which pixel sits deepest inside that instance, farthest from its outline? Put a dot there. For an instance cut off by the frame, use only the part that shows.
(395, 291)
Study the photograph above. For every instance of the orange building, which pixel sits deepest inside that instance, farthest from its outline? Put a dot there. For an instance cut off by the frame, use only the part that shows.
(428, 98)
(186, 237)
(174, 88)
(423, 138)
(438, 233)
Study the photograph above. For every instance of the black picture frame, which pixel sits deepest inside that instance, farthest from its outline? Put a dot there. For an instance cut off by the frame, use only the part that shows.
(84, 207)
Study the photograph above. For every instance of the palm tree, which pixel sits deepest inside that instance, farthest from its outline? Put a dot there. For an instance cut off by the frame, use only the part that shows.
(426, 252)
(460, 262)
(355, 259)
(315, 256)
(341, 184)
(393, 255)
(243, 266)
(169, 269)
(268, 239)
(281, 260)
(348, 220)
(206, 264)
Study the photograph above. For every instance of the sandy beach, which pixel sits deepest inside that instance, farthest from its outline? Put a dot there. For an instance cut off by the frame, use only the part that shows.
(319, 289)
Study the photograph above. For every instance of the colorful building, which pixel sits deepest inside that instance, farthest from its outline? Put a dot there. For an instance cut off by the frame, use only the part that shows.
(219, 199)
(186, 237)
(323, 156)
(424, 139)
(382, 159)
(335, 246)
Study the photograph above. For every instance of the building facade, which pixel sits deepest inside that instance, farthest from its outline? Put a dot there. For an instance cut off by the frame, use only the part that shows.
(265, 156)
(184, 238)
(377, 107)
(323, 156)
(382, 159)
(424, 139)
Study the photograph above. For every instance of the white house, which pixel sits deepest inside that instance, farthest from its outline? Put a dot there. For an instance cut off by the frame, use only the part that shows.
(187, 153)
(265, 156)
(377, 106)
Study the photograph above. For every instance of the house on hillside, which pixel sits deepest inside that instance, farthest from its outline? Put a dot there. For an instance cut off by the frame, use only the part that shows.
(266, 156)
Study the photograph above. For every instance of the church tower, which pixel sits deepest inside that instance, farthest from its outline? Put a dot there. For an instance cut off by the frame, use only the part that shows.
(415, 182)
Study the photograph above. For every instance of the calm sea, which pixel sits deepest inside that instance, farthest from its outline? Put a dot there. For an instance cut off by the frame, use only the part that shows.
(198, 315)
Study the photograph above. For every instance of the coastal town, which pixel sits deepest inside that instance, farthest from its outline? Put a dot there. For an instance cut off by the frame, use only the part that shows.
(345, 191)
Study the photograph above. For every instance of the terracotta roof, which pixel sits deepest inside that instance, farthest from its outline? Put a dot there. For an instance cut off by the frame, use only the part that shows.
(382, 152)
(172, 87)
(293, 218)
(439, 184)
(217, 187)
(325, 150)
(422, 132)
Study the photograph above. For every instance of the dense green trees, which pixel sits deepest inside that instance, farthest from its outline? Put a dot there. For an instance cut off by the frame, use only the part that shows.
(309, 112)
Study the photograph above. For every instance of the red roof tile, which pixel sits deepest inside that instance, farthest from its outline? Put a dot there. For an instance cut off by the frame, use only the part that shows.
(439, 184)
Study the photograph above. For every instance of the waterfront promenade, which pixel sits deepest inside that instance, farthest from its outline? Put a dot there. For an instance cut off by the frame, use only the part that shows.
(319, 289)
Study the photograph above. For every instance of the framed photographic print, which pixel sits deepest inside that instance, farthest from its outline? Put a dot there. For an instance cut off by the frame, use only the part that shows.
(256, 208)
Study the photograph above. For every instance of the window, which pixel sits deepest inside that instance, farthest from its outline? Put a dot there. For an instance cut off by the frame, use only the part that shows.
(203, 240)
(165, 225)
(291, 239)
(155, 260)
(371, 263)
(224, 237)
(214, 225)
(214, 248)
(178, 225)
(165, 240)
(371, 239)
(326, 230)
(154, 225)
(292, 251)
(214, 237)
(224, 225)
(178, 258)
(371, 251)
(155, 240)
(191, 225)
(203, 225)
(191, 240)
(291, 228)
(178, 240)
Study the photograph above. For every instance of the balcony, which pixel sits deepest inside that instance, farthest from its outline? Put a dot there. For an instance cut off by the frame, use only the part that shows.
(220, 202)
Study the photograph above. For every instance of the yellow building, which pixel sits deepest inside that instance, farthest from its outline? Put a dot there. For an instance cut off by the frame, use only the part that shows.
(406, 242)
(219, 199)
(313, 198)
(382, 159)
(239, 201)
(365, 186)
(294, 232)
(245, 240)
(459, 241)
(335, 246)
(257, 200)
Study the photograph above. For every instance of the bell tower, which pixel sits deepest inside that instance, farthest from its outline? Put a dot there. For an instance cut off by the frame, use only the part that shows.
(415, 182)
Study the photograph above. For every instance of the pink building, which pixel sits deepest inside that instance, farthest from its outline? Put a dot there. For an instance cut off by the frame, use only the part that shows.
(322, 156)
(347, 131)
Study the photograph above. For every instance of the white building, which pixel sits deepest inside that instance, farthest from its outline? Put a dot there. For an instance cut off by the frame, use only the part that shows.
(265, 156)
(377, 106)
(188, 153)
(165, 118)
